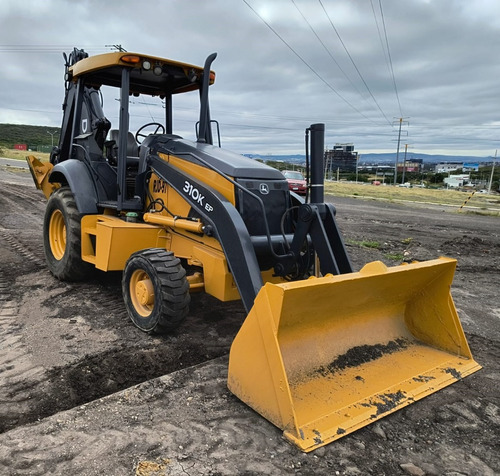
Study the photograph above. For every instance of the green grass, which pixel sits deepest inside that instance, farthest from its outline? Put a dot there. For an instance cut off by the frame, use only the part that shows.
(22, 154)
(364, 244)
(422, 195)
(394, 256)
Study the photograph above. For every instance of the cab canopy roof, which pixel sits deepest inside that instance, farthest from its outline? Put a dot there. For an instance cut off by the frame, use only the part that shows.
(148, 74)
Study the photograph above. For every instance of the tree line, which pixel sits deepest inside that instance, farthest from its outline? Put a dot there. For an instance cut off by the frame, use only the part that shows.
(32, 136)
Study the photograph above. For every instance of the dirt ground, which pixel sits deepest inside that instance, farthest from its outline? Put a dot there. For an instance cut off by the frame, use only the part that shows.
(82, 391)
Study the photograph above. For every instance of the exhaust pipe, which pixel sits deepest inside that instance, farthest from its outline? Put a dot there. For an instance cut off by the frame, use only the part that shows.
(317, 141)
(205, 132)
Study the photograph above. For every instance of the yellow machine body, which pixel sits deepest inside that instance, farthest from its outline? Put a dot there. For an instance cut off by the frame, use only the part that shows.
(324, 357)
(108, 241)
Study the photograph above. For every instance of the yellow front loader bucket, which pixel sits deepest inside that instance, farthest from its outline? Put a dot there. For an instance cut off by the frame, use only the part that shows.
(324, 357)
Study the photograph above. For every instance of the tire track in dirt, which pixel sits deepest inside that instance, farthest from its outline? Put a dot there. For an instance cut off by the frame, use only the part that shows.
(26, 192)
(17, 371)
(11, 237)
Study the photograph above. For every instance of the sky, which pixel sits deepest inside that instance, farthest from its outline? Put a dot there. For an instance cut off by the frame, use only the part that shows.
(361, 67)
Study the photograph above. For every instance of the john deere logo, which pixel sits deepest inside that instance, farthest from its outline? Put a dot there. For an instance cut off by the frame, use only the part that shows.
(264, 188)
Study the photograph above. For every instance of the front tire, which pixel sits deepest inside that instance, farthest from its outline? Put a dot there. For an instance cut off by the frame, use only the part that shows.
(62, 237)
(155, 290)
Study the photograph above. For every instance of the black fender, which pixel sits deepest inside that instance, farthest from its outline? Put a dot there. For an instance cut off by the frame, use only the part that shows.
(79, 178)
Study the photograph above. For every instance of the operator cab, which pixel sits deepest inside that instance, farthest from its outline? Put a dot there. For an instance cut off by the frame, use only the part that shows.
(115, 153)
(115, 159)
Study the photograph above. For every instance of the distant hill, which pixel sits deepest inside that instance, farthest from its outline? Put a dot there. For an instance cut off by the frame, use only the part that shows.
(380, 158)
(427, 158)
(33, 136)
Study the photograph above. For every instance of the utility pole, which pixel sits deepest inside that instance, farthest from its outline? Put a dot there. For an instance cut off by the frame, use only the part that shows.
(401, 122)
(117, 48)
(492, 171)
(357, 166)
(404, 164)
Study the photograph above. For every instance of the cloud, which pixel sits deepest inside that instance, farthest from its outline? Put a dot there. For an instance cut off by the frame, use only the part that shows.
(282, 71)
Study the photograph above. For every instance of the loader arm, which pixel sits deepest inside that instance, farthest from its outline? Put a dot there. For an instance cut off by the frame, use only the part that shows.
(224, 222)
(318, 220)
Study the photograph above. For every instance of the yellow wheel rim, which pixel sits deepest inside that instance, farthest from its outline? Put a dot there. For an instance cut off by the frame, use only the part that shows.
(142, 293)
(57, 234)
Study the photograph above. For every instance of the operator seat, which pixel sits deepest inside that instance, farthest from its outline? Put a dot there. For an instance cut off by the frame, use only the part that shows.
(132, 148)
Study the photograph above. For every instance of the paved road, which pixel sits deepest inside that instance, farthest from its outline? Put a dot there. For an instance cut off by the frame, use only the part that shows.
(13, 163)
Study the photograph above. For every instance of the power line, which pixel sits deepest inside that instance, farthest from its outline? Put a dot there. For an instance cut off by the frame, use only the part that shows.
(352, 61)
(325, 47)
(45, 48)
(389, 55)
(380, 37)
(305, 62)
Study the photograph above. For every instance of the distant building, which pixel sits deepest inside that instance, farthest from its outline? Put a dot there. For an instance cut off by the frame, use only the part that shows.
(446, 167)
(455, 181)
(342, 157)
(412, 165)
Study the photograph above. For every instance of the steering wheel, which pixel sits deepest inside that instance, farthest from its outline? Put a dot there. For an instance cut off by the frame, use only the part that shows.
(142, 135)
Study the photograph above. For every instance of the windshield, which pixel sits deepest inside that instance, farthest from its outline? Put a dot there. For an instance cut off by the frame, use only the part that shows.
(293, 175)
(145, 109)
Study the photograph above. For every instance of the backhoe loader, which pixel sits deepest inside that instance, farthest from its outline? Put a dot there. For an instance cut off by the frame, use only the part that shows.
(324, 349)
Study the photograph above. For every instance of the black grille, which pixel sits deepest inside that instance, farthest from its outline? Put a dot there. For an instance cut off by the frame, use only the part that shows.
(275, 196)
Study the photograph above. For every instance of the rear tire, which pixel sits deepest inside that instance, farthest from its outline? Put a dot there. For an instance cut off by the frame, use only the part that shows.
(62, 237)
(155, 290)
